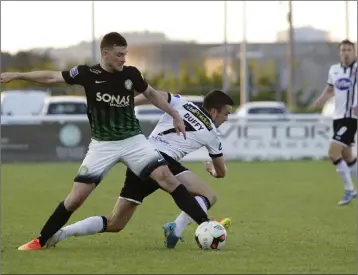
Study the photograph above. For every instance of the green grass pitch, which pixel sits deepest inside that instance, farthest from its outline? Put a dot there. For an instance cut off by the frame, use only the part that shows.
(285, 220)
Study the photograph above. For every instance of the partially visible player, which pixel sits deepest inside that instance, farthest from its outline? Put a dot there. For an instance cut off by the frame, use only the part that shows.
(342, 84)
(115, 132)
(201, 124)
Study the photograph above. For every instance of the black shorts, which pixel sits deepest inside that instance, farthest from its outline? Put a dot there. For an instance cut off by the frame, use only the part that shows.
(136, 189)
(344, 130)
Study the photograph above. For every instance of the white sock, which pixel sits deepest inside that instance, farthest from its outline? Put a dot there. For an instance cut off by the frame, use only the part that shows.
(344, 172)
(89, 226)
(183, 220)
(354, 169)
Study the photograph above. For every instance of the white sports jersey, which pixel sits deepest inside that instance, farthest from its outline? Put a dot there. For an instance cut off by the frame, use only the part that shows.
(344, 81)
(200, 131)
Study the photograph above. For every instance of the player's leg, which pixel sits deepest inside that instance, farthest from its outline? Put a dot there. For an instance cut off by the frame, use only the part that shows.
(99, 159)
(351, 160)
(115, 222)
(342, 138)
(144, 160)
(203, 194)
(132, 194)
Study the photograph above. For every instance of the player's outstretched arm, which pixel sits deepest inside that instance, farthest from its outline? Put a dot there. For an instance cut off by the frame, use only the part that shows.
(159, 101)
(44, 77)
(142, 100)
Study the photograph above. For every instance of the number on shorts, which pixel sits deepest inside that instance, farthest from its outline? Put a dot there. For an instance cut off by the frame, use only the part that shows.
(341, 131)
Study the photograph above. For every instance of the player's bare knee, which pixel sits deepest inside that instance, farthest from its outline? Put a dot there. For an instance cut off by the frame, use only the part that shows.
(347, 155)
(161, 173)
(78, 195)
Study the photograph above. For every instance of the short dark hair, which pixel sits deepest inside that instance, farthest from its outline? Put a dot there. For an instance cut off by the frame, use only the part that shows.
(217, 99)
(113, 39)
(346, 42)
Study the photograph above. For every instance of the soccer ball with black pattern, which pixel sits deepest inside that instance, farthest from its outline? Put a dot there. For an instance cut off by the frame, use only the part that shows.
(211, 235)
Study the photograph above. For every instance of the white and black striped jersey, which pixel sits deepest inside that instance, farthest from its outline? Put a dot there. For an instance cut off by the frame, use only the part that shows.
(200, 131)
(344, 81)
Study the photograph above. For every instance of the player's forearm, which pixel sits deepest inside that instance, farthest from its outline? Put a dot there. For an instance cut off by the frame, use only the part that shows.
(44, 77)
(217, 170)
(141, 100)
(326, 94)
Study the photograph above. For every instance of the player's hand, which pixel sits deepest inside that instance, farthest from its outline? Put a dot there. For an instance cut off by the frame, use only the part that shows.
(7, 77)
(355, 110)
(209, 166)
(179, 126)
(317, 103)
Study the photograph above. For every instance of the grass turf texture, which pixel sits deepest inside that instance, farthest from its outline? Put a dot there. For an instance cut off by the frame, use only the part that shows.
(285, 220)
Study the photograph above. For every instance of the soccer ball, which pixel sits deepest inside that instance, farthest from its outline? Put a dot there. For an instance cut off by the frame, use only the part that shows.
(210, 235)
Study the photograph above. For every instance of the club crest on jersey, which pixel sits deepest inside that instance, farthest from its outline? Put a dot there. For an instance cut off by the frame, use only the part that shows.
(343, 84)
(128, 84)
(74, 72)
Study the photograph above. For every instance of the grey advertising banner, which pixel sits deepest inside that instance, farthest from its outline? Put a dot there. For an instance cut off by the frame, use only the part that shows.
(49, 141)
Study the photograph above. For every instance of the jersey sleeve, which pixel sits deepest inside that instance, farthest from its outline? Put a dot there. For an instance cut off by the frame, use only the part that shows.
(139, 82)
(175, 99)
(215, 148)
(330, 80)
(76, 75)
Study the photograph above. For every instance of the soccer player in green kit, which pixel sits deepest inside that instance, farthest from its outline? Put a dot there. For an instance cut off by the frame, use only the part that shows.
(110, 88)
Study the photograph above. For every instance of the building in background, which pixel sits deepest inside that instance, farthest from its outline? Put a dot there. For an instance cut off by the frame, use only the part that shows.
(304, 34)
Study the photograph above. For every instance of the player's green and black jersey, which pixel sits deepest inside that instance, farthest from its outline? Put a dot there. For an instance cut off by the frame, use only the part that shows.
(110, 99)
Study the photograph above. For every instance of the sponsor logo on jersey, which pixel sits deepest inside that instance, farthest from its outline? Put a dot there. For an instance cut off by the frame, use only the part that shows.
(159, 139)
(95, 71)
(199, 115)
(113, 100)
(343, 84)
(74, 72)
(128, 84)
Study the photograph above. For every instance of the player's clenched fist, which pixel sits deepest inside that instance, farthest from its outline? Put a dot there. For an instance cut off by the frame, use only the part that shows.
(7, 77)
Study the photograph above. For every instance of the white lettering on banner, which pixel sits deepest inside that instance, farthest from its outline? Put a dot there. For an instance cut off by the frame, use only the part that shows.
(273, 140)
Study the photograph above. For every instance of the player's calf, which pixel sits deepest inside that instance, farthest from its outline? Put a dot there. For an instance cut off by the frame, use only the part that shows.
(114, 223)
(196, 186)
(335, 153)
(121, 215)
(352, 164)
(183, 199)
(64, 210)
(351, 161)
